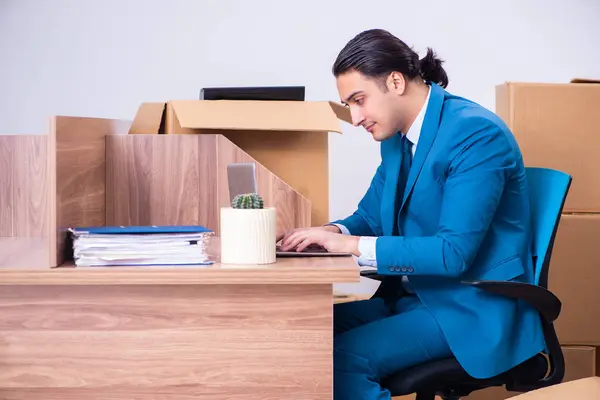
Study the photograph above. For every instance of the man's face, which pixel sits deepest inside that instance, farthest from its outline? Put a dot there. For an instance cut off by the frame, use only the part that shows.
(371, 106)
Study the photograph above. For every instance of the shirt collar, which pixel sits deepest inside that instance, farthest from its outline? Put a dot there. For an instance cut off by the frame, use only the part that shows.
(415, 129)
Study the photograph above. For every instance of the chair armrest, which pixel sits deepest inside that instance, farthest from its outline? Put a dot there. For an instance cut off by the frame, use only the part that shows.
(371, 274)
(543, 300)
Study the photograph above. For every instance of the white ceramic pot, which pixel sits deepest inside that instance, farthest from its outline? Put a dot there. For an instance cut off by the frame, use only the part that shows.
(248, 235)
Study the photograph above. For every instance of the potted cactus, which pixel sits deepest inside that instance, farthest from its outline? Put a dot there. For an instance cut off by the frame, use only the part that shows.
(248, 231)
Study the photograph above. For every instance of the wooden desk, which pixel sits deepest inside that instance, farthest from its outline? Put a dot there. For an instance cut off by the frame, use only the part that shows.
(214, 332)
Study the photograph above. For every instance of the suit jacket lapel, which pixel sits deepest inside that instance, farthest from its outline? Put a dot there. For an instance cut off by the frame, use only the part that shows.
(393, 159)
(426, 138)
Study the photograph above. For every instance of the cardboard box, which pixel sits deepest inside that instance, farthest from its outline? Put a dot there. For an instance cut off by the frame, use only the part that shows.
(557, 126)
(581, 389)
(574, 277)
(289, 138)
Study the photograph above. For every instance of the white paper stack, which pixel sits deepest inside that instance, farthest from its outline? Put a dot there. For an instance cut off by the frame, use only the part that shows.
(140, 245)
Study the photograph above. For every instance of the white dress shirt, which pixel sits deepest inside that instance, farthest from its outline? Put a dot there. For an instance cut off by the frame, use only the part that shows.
(366, 244)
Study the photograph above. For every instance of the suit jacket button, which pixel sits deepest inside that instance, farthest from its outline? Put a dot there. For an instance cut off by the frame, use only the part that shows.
(397, 269)
(411, 270)
(404, 269)
(391, 269)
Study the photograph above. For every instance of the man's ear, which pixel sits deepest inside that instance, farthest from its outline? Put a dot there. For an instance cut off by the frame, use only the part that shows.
(396, 83)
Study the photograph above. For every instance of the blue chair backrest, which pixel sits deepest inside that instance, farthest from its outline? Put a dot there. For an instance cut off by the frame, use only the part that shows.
(548, 190)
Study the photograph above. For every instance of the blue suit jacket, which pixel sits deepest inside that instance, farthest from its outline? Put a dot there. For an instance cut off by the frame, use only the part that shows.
(465, 215)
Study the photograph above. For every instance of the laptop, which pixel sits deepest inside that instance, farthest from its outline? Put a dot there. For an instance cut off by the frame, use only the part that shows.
(241, 179)
(309, 251)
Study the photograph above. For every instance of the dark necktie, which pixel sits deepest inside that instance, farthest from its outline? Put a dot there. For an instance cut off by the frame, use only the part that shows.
(405, 146)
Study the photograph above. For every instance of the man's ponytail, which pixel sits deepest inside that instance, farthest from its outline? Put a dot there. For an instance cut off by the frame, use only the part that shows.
(432, 70)
(376, 53)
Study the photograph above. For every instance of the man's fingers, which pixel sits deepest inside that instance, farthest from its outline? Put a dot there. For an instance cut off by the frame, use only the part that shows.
(282, 236)
(293, 240)
(304, 244)
(285, 236)
(291, 235)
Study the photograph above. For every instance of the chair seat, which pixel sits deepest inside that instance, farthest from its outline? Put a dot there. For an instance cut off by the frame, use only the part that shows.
(447, 377)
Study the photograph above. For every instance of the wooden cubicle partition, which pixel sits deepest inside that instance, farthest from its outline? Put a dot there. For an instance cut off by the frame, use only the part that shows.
(73, 177)
(26, 167)
(50, 182)
(182, 179)
(81, 173)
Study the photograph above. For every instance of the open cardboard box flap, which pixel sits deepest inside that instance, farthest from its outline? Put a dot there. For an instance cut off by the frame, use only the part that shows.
(148, 118)
(243, 115)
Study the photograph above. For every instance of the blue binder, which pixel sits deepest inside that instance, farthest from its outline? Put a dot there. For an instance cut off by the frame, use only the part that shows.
(114, 230)
(140, 245)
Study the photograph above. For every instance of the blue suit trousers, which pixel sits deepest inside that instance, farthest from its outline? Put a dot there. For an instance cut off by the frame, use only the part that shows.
(373, 340)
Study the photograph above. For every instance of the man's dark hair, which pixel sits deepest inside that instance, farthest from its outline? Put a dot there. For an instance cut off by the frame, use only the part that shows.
(376, 53)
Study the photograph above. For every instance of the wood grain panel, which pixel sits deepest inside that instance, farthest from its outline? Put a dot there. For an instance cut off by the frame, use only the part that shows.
(81, 172)
(182, 180)
(286, 271)
(56, 247)
(175, 182)
(7, 154)
(181, 392)
(167, 342)
(26, 216)
(24, 252)
(128, 180)
(209, 181)
(24, 183)
(161, 180)
(31, 195)
(101, 308)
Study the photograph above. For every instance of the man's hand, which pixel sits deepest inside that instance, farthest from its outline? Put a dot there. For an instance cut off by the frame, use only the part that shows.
(328, 228)
(328, 237)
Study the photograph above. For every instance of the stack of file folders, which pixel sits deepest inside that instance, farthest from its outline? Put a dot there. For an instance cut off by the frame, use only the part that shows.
(140, 245)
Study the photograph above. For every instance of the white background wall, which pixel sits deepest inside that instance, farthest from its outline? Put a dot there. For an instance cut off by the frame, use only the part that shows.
(103, 58)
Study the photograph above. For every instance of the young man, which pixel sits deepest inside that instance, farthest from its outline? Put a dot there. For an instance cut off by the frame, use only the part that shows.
(449, 202)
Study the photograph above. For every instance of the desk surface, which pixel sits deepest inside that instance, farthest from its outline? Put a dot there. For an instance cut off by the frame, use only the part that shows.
(287, 270)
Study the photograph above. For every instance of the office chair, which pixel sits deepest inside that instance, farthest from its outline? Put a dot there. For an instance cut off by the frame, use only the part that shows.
(445, 377)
